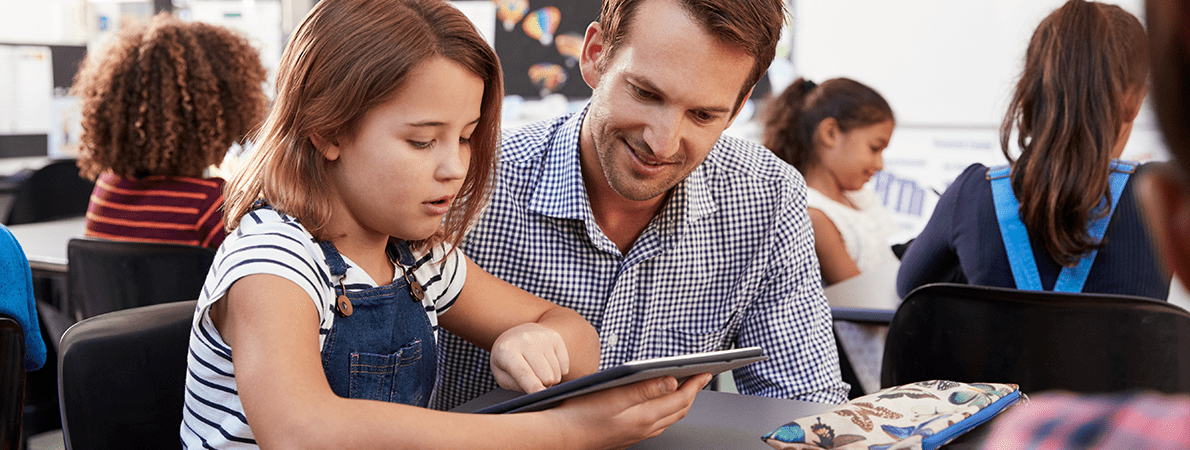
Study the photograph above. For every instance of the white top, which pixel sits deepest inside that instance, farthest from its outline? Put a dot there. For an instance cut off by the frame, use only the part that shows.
(865, 228)
(268, 242)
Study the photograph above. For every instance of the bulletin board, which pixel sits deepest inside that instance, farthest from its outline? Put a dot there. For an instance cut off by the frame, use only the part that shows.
(539, 42)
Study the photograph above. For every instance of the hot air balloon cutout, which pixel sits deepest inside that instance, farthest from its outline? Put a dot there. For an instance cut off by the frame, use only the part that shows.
(511, 11)
(569, 45)
(542, 24)
(548, 77)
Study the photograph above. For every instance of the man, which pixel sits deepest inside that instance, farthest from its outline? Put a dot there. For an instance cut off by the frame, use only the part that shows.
(637, 213)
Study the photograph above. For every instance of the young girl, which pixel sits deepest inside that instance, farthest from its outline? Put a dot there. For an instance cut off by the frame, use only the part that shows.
(160, 105)
(834, 133)
(1077, 227)
(316, 327)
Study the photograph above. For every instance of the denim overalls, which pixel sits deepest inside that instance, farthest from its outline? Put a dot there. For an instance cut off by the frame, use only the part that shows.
(381, 346)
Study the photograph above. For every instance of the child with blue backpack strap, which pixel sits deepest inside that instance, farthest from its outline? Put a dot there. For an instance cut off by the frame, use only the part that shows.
(1061, 215)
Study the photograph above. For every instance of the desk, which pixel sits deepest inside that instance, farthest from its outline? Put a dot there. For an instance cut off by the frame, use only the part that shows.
(45, 243)
(717, 420)
(868, 297)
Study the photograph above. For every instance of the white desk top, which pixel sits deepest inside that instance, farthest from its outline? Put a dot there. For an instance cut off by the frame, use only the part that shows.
(45, 242)
(869, 297)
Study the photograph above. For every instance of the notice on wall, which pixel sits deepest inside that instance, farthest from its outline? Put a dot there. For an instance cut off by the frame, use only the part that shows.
(26, 89)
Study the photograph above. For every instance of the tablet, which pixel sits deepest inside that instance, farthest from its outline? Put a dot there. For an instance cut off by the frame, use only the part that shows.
(680, 367)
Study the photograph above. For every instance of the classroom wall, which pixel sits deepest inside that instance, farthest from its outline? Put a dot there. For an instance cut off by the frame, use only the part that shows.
(947, 68)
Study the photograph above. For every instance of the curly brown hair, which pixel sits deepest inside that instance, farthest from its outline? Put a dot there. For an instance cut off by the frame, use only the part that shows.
(168, 99)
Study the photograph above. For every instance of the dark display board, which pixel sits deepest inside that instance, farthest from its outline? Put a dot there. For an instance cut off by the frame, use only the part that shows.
(521, 48)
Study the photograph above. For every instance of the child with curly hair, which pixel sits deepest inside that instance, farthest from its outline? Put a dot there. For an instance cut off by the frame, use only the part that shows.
(160, 104)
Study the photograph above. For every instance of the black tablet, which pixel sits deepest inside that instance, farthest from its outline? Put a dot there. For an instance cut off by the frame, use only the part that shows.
(680, 367)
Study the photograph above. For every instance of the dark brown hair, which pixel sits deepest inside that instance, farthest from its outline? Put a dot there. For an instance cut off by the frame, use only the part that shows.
(753, 25)
(1169, 34)
(167, 99)
(791, 119)
(347, 57)
(1083, 62)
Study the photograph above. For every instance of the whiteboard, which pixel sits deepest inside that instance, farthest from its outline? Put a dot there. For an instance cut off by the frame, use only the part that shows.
(938, 62)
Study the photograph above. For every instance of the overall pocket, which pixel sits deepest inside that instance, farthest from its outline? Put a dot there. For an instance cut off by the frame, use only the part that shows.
(389, 378)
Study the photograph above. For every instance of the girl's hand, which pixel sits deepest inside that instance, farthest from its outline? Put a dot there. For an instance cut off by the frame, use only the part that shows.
(529, 357)
(620, 417)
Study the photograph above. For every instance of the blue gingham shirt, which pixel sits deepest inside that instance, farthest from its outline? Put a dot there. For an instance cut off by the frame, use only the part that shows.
(728, 262)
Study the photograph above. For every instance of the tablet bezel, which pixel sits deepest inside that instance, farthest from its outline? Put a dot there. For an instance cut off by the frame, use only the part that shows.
(680, 367)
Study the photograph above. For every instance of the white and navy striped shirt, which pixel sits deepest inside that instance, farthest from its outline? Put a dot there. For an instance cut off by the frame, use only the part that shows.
(267, 242)
(728, 262)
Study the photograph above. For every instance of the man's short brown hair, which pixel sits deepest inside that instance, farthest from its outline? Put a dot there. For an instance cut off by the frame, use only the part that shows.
(753, 25)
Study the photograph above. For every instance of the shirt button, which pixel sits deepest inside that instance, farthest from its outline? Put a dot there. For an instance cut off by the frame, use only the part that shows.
(612, 340)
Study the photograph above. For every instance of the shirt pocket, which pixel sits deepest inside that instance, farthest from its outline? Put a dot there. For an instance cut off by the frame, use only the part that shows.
(682, 340)
(380, 377)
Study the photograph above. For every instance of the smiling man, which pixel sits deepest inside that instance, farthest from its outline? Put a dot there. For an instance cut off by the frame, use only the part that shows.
(637, 212)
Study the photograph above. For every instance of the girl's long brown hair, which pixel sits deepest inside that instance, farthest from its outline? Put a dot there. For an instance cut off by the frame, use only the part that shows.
(347, 57)
(167, 99)
(792, 118)
(1083, 63)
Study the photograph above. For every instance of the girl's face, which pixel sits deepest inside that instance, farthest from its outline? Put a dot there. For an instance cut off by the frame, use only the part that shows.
(398, 174)
(854, 156)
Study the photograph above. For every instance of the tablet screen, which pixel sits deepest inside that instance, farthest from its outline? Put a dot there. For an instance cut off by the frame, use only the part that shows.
(680, 367)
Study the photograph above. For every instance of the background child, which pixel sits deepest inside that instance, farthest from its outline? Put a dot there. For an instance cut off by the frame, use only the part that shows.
(834, 133)
(1084, 80)
(160, 104)
(341, 264)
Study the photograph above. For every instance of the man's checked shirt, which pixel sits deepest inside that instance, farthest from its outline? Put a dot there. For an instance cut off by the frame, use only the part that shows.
(728, 262)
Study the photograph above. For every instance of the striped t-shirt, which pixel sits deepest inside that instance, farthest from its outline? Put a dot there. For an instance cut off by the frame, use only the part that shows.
(267, 242)
(157, 208)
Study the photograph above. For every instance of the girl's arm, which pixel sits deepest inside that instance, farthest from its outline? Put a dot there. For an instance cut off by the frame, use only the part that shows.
(272, 328)
(832, 252)
(534, 343)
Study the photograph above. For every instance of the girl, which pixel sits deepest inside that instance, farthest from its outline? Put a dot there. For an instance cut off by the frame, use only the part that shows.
(160, 105)
(340, 263)
(834, 134)
(1077, 227)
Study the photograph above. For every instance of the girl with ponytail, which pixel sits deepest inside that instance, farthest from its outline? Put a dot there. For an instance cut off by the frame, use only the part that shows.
(834, 134)
(1061, 215)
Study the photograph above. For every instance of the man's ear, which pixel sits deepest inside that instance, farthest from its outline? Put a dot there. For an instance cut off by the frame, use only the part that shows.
(592, 54)
(329, 148)
(1165, 201)
(827, 133)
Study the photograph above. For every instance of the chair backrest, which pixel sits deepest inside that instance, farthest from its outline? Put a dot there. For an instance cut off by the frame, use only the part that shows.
(104, 276)
(1039, 340)
(12, 382)
(121, 378)
(52, 192)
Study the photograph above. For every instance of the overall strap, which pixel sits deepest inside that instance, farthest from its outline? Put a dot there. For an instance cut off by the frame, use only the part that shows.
(1016, 237)
(1012, 230)
(1072, 279)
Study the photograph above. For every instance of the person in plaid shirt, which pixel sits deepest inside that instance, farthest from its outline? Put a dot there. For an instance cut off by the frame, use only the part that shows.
(637, 213)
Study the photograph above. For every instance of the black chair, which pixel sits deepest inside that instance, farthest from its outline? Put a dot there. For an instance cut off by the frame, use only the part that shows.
(1038, 340)
(121, 378)
(104, 276)
(52, 192)
(12, 382)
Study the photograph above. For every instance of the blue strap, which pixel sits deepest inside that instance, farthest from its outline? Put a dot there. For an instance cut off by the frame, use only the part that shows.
(1016, 238)
(1012, 230)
